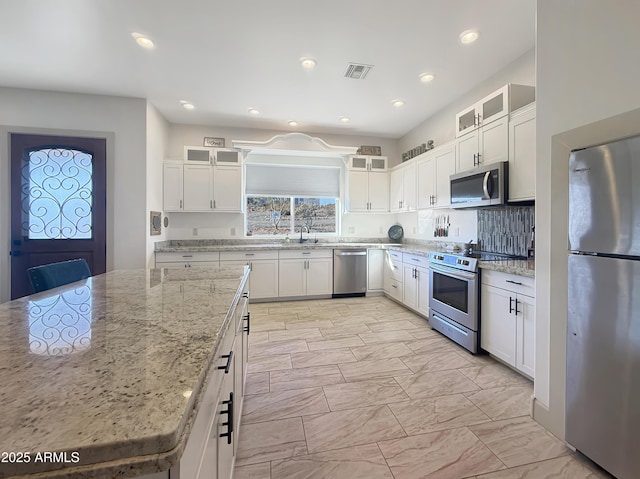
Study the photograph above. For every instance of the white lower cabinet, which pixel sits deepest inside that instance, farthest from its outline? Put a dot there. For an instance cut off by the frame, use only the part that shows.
(393, 275)
(305, 273)
(416, 283)
(187, 260)
(507, 322)
(264, 270)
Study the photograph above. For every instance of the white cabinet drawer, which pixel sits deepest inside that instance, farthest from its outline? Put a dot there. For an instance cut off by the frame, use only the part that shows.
(247, 255)
(306, 254)
(396, 289)
(186, 256)
(511, 282)
(396, 270)
(394, 255)
(415, 259)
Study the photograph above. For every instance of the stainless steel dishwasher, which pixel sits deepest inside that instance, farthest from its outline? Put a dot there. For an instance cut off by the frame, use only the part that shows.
(349, 272)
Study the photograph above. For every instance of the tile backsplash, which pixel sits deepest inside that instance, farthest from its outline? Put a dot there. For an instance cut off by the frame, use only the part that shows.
(506, 229)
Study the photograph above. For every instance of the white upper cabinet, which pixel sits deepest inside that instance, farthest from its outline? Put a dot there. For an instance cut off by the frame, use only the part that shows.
(434, 170)
(227, 189)
(483, 146)
(193, 187)
(494, 106)
(368, 163)
(198, 188)
(522, 154)
(227, 156)
(212, 156)
(367, 185)
(198, 154)
(403, 188)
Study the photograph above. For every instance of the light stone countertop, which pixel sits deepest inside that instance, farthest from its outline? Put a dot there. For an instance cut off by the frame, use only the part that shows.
(111, 385)
(268, 247)
(518, 267)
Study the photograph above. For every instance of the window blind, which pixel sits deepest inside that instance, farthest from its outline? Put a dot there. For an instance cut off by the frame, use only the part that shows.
(289, 180)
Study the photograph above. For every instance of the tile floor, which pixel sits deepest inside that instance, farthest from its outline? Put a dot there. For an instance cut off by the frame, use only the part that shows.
(363, 388)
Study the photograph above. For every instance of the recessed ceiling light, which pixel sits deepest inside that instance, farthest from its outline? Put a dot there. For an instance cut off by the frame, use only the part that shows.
(144, 42)
(468, 36)
(187, 106)
(398, 103)
(293, 123)
(308, 63)
(344, 119)
(254, 111)
(426, 77)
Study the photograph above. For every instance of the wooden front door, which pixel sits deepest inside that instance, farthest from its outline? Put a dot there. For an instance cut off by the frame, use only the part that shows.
(58, 204)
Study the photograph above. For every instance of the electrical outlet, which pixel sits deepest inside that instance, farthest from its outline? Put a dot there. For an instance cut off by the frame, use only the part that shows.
(352, 230)
(195, 232)
(233, 231)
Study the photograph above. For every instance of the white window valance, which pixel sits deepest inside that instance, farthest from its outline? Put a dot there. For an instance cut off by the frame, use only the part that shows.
(292, 180)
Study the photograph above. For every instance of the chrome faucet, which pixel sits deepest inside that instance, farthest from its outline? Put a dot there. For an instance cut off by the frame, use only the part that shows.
(302, 228)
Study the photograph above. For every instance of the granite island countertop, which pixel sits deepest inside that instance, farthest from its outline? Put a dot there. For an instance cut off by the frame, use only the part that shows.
(518, 267)
(103, 368)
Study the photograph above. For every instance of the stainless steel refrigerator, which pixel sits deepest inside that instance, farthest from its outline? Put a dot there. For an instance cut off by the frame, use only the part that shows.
(603, 327)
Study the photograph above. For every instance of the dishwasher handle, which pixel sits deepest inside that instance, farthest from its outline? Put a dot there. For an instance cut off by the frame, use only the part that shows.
(350, 253)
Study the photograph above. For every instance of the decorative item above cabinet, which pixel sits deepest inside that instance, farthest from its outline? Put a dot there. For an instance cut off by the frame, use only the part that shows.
(494, 106)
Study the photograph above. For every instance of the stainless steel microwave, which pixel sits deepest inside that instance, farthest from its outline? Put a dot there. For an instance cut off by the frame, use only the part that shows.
(483, 186)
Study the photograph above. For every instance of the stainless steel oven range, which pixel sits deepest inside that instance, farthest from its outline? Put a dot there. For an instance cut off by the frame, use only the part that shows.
(453, 298)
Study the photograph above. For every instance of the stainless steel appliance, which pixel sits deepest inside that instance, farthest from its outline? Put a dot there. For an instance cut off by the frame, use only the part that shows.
(603, 324)
(453, 298)
(483, 186)
(349, 272)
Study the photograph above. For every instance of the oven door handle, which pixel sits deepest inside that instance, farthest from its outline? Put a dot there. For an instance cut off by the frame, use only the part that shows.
(453, 272)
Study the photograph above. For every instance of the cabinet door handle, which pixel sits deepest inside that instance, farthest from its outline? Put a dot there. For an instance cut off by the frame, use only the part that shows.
(479, 159)
(227, 366)
(513, 282)
(517, 312)
(229, 421)
(180, 204)
(187, 256)
(394, 286)
(247, 318)
(214, 204)
(211, 204)
(475, 159)
(245, 294)
(511, 310)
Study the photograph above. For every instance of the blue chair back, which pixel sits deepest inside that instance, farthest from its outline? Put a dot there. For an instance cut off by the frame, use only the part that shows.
(53, 275)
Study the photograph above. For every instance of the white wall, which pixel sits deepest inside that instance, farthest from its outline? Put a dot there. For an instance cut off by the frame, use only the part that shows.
(441, 126)
(587, 77)
(122, 122)
(157, 141)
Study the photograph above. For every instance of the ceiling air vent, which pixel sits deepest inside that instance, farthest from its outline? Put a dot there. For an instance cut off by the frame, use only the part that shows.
(357, 71)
